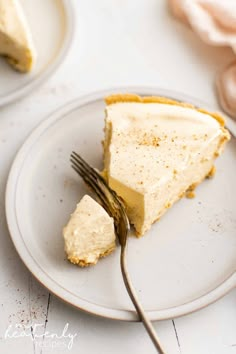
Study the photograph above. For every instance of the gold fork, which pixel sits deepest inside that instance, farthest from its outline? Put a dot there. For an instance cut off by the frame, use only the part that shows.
(116, 209)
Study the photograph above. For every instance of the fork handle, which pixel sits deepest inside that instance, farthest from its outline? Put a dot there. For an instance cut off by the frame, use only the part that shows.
(137, 304)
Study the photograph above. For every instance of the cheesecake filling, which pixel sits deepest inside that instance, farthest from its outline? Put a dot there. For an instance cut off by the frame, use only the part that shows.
(153, 153)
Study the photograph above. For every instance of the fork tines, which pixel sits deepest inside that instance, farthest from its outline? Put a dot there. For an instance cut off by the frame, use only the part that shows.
(90, 177)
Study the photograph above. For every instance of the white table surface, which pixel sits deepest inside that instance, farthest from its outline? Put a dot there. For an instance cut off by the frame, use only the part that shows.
(116, 43)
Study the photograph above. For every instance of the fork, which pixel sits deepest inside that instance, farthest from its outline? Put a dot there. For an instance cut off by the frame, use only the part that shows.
(116, 209)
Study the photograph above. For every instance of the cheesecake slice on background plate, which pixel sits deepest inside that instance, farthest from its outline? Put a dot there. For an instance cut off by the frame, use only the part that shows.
(16, 42)
(35, 36)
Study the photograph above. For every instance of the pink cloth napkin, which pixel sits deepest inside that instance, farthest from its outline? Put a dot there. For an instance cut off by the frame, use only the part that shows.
(214, 21)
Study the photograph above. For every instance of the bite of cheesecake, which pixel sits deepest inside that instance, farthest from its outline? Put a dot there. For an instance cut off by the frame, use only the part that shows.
(89, 234)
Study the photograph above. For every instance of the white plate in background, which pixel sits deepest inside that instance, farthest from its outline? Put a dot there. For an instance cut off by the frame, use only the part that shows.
(185, 262)
(52, 26)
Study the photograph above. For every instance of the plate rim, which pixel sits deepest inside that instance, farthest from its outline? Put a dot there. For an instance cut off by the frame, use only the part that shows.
(52, 67)
(34, 267)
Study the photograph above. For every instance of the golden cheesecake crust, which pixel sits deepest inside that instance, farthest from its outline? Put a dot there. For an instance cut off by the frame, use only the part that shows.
(84, 263)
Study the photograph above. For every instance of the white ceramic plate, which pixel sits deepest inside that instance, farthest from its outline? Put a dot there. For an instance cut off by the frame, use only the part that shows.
(184, 263)
(52, 25)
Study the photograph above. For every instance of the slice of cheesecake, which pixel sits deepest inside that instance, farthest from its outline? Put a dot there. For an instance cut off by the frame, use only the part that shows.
(89, 233)
(15, 38)
(156, 150)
